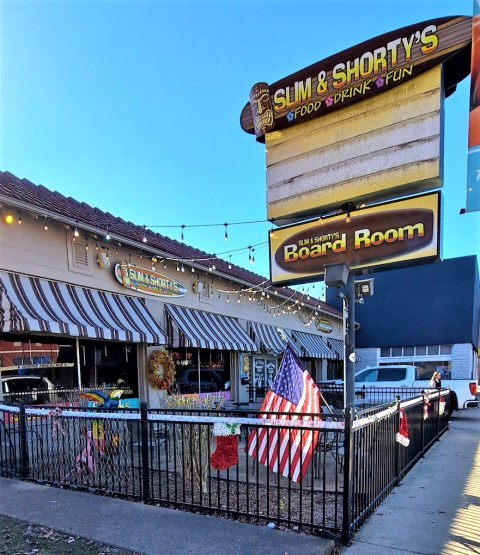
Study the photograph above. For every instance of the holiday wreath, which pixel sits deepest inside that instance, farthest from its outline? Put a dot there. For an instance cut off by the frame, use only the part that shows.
(161, 370)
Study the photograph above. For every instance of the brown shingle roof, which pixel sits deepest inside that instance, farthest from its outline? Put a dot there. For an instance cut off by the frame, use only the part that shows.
(69, 210)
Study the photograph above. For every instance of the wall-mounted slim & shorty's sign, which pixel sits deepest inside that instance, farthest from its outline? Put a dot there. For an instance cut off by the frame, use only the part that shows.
(395, 233)
(323, 325)
(147, 281)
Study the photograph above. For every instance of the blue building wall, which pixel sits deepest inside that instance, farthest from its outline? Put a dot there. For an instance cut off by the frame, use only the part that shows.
(429, 304)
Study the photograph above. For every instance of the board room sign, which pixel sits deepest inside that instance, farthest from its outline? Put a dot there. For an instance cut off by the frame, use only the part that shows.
(392, 233)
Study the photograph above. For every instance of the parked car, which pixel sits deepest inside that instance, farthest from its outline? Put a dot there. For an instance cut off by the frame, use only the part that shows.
(210, 380)
(26, 388)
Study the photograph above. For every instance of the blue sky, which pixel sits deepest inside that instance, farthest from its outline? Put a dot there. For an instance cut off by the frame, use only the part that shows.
(133, 107)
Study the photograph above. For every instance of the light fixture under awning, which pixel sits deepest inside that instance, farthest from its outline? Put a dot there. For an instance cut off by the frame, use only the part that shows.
(206, 330)
(36, 305)
(312, 346)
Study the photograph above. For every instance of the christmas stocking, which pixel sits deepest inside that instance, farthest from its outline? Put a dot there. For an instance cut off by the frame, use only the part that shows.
(426, 404)
(226, 452)
(402, 435)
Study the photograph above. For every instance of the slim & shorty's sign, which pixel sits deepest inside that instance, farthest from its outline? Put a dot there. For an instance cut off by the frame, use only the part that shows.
(359, 73)
(147, 281)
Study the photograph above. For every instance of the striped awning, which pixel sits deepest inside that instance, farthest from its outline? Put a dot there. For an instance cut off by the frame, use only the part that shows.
(312, 346)
(336, 345)
(36, 305)
(269, 339)
(272, 339)
(187, 327)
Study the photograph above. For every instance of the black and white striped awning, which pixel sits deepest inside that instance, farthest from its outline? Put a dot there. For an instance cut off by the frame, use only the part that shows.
(269, 339)
(187, 327)
(312, 346)
(36, 305)
(336, 345)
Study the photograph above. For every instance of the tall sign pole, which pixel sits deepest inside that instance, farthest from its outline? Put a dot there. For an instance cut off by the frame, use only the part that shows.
(350, 343)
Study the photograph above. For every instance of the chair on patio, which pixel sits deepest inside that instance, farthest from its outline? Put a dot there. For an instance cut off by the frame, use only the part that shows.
(333, 440)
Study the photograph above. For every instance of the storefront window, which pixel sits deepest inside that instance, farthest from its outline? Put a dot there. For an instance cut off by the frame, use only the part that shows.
(212, 375)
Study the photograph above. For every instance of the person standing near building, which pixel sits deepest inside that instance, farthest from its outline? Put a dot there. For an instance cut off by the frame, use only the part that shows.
(436, 381)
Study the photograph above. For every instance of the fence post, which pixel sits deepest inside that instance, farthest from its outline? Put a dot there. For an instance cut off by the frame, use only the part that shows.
(425, 400)
(22, 429)
(347, 478)
(438, 415)
(397, 445)
(145, 461)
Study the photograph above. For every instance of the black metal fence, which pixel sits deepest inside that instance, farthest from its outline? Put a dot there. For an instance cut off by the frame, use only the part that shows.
(169, 457)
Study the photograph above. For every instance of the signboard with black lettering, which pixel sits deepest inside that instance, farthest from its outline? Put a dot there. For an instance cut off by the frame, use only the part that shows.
(394, 233)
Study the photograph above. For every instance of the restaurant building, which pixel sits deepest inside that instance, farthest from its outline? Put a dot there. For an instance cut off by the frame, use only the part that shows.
(95, 296)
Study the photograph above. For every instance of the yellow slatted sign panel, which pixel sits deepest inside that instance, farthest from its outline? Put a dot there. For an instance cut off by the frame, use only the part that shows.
(377, 149)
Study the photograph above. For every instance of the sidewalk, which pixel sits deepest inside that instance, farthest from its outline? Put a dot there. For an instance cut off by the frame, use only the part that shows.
(436, 510)
(147, 529)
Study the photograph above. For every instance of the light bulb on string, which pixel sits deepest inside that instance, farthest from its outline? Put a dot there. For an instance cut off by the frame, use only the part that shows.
(144, 239)
(182, 268)
(226, 231)
(19, 221)
(230, 262)
(45, 225)
(107, 235)
(182, 237)
(75, 233)
(252, 261)
(178, 266)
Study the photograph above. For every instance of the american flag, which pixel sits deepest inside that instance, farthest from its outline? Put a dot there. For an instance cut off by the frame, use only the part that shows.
(287, 450)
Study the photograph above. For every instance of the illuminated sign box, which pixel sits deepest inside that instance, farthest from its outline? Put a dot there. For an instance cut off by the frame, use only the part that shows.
(395, 233)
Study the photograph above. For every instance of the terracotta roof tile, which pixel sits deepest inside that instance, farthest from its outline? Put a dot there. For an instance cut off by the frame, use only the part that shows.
(39, 197)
